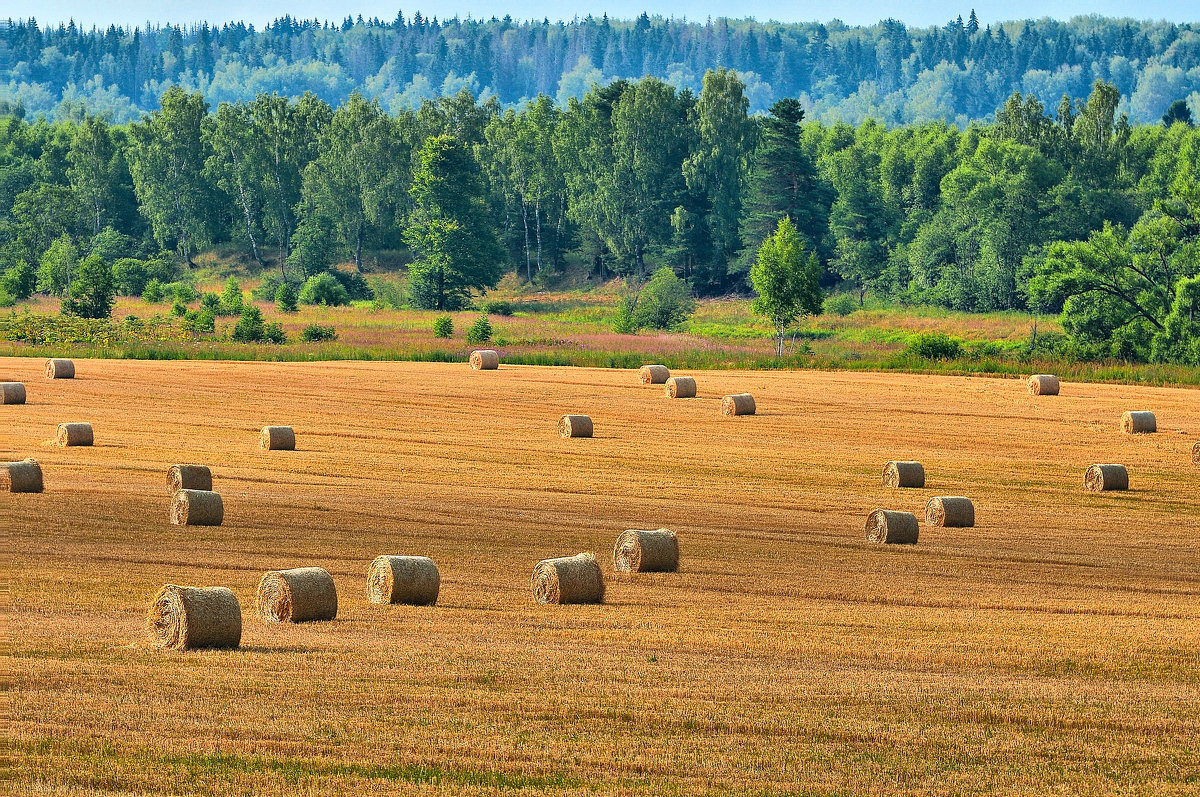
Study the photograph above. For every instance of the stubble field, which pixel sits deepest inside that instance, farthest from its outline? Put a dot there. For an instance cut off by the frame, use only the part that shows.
(1053, 648)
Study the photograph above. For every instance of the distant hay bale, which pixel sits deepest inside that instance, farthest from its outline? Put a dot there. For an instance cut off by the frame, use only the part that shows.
(1044, 385)
(21, 477)
(277, 438)
(899, 528)
(653, 374)
(1102, 478)
(74, 434)
(485, 360)
(738, 404)
(681, 387)
(12, 393)
(60, 369)
(185, 618)
(569, 579)
(197, 508)
(188, 477)
(412, 580)
(299, 595)
(639, 551)
(950, 512)
(1138, 423)
(1196, 454)
(903, 474)
(575, 426)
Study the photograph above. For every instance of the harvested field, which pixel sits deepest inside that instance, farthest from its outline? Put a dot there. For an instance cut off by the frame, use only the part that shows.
(1052, 648)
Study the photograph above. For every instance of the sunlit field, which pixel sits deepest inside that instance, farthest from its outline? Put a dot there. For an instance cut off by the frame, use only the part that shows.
(1054, 648)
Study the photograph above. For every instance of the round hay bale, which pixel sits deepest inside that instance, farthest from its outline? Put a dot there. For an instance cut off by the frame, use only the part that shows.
(639, 551)
(277, 438)
(197, 508)
(21, 477)
(738, 404)
(188, 477)
(1138, 423)
(12, 393)
(297, 596)
(898, 528)
(681, 387)
(950, 512)
(60, 369)
(653, 374)
(1102, 478)
(1044, 385)
(74, 434)
(568, 579)
(485, 360)
(185, 618)
(412, 580)
(903, 474)
(1196, 454)
(575, 426)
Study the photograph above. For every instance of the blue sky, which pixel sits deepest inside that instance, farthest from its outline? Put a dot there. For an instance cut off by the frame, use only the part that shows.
(857, 12)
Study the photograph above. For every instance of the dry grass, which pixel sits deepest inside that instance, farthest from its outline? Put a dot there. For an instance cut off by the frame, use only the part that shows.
(1054, 648)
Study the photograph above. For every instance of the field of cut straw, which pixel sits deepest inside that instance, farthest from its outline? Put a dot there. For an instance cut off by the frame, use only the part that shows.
(1054, 648)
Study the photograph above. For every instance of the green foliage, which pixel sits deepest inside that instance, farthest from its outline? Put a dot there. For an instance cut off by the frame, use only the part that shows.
(625, 322)
(785, 277)
(324, 289)
(841, 305)
(212, 302)
(935, 346)
(498, 307)
(36, 329)
(355, 284)
(19, 281)
(92, 291)
(154, 292)
(286, 298)
(58, 264)
(665, 302)
(249, 327)
(6, 298)
(273, 333)
(179, 308)
(480, 331)
(199, 322)
(184, 292)
(231, 298)
(443, 326)
(315, 333)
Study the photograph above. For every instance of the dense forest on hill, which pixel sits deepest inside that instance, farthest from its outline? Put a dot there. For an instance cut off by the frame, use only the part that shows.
(1072, 210)
(889, 72)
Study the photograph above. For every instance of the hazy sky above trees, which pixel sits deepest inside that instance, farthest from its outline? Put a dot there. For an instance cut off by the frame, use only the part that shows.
(856, 12)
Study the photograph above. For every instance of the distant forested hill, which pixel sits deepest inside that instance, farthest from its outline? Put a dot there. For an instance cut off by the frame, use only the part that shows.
(890, 72)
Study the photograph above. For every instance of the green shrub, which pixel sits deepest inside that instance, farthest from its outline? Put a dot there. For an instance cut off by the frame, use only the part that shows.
(480, 331)
(266, 290)
(249, 327)
(388, 293)
(935, 346)
(179, 308)
(286, 298)
(231, 298)
(19, 281)
(92, 291)
(665, 302)
(212, 302)
(131, 276)
(841, 305)
(443, 326)
(498, 307)
(356, 286)
(273, 333)
(324, 289)
(315, 333)
(200, 321)
(6, 298)
(154, 292)
(185, 293)
(625, 323)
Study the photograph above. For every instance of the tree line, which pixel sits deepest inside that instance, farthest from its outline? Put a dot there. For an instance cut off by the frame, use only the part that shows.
(887, 71)
(1069, 210)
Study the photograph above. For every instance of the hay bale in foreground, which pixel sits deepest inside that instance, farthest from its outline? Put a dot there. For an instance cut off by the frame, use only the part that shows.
(640, 551)
(1138, 423)
(277, 438)
(412, 580)
(1196, 454)
(1102, 478)
(12, 393)
(197, 508)
(185, 618)
(568, 579)
(653, 374)
(738, 404)
(903, 474)
(188, 477)
(681, 387)
(298, 595)
(60, 369)
(898, 528)
(74, 434)
(21, 477)
(485, 360)
(950, 511)
(575, 426)
(1044, 385)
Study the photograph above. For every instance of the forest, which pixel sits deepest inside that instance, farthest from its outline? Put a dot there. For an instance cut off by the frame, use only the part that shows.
(1070, 210)
(888, 72)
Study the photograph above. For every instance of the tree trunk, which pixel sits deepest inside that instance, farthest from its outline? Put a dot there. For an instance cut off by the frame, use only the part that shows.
(358, 249)
(525, 224)
(537, 218)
